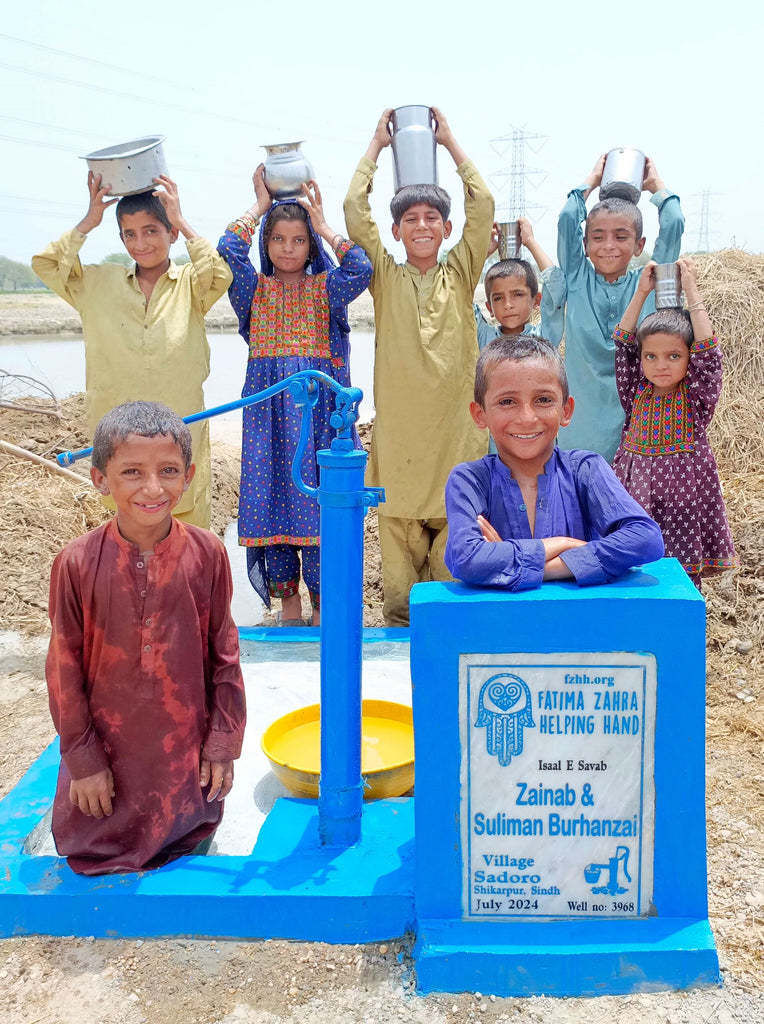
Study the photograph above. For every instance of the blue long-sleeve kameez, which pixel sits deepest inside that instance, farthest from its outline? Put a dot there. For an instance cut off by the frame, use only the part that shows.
(578, 496)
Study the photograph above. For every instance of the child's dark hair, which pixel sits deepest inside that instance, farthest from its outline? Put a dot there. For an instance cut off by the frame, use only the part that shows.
(667, 321)
(616, 205)
(147, 419)
(290, 211)
(515, 348)
(143, 202)
(511, 268)
(412, 195)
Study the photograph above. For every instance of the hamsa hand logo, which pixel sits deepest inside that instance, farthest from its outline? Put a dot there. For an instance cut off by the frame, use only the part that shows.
(504, 709)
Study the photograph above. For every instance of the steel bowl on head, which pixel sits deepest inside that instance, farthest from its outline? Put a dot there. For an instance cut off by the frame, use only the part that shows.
(130, 167)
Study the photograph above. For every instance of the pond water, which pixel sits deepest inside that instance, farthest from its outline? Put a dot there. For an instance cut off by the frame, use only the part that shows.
(60, 364)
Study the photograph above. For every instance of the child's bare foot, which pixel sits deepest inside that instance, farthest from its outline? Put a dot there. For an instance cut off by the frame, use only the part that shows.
(291, 607)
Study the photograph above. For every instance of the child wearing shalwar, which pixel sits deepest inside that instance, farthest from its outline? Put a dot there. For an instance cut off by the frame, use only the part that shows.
(586, 295)
(532, 512)
(669, 376)
(293, 316)
(143, 673)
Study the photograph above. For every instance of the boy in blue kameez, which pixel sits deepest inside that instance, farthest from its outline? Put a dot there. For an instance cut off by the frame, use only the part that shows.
(532, 512)
(585, 297)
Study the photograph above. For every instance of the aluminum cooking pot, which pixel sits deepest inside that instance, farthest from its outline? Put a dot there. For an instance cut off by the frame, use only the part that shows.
(130, 167)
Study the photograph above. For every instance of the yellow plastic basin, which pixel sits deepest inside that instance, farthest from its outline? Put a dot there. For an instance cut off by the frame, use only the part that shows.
(292, 744)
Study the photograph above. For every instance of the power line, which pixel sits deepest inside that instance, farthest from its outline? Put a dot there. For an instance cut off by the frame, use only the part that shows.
(90, 60)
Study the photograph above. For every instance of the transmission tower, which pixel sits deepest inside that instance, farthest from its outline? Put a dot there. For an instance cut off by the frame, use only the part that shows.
(517, 173)
(705, 209)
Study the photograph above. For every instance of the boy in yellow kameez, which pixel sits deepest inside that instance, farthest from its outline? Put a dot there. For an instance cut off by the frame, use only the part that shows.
(143, 325)
(424, 365)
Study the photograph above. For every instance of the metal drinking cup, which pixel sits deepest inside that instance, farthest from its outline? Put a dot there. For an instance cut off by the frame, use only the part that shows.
(623, 174)
(414, 147)
(668, 286)
(509, 240)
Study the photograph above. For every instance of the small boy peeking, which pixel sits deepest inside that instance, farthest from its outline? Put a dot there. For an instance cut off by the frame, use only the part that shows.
(144, 682)
(586, 296)
(532, 512)
(512, 292)
(143, 325)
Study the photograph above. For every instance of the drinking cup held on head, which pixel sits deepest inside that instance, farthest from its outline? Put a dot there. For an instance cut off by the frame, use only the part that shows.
(668, 286)
(509, 240)
(414, 147)
(286, 170)
(623, 174)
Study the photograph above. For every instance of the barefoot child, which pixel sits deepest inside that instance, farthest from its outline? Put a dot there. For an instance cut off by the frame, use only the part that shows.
(143, 672)
(532, 512)
(143, 325)
(586, 297)
(669, 377)
(293, 316)
(425, 354)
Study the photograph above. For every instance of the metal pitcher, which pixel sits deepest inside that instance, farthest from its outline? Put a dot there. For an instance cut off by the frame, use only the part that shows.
(623, 174)
(668, 286)
(414, 147)
(286, 170)
(509, 240)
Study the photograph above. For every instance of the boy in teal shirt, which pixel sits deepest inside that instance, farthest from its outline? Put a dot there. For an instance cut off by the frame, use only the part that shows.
(585, 297)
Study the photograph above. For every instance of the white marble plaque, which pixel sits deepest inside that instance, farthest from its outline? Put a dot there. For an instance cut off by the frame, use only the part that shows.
(557, 787)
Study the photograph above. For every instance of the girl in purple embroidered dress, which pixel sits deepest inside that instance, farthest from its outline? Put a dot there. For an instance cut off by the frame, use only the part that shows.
(293, 315)
(669, 377)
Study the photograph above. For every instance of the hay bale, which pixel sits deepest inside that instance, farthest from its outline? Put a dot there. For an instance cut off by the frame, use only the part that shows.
(732, 285)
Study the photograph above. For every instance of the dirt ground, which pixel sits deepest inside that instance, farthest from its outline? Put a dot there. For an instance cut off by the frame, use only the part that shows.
(184, 981)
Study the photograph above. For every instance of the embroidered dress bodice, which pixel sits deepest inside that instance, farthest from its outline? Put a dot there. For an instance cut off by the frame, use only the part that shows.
(660, 424)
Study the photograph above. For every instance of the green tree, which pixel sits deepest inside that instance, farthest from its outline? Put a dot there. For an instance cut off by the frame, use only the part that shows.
(118, 257)
(15, 276)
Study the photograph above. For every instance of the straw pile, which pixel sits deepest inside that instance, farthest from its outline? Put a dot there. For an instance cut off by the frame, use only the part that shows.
(40, 512)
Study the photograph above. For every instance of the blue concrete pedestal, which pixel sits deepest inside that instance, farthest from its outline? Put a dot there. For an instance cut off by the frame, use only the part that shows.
(289, 887)
(654, 617)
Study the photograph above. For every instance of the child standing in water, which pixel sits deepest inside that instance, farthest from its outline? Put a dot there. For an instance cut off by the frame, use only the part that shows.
(293, 315)
(669, 378)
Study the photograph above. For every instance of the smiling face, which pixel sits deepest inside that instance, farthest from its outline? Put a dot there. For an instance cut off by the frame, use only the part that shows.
(524, 409)
(146, 477)
(147, 240)
(422, 231)
(611, 241)
(511, 301)
(665, 358)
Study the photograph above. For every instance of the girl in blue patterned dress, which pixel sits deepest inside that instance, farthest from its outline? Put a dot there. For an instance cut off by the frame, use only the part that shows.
(669, 378)
(293, 315)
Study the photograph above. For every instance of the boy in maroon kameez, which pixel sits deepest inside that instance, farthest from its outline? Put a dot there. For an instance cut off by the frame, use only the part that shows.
(143, 672)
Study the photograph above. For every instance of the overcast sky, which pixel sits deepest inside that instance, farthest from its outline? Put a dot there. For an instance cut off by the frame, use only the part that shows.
(682, 82)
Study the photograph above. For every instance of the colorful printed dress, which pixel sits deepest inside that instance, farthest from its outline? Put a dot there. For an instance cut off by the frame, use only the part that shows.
(288, 327)
(665, 461)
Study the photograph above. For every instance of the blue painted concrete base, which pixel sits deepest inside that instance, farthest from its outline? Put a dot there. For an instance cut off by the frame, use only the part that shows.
(289, 887)
(561, 958)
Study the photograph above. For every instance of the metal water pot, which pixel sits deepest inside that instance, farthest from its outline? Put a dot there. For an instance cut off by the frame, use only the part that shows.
(414, 147)
(509, 240)
(286, 170)
(130, 167)
(668, 286)
(623, 174)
